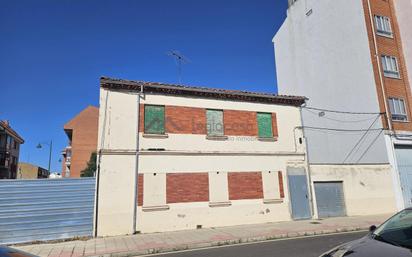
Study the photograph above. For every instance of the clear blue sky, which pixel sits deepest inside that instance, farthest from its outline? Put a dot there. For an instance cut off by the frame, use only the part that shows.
(52, 54)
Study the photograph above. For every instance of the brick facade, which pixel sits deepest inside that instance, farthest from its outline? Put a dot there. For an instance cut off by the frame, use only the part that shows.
(393, 47)
(82, 133)
(245, 185)
(185, 120)
(192, 120)
(281, 187)
(140, 183)
(187, 187)
(240, 123)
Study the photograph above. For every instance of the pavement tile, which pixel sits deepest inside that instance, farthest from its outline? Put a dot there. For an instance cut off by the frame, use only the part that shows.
(190, 239)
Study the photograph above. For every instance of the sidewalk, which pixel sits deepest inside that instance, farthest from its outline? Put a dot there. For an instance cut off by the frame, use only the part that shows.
(192, 239)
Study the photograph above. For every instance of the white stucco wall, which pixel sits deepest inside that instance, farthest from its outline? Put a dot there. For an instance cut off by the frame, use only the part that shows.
(115, 194)
(403, 10)
(188, 153)
(368, 189)
(322, 52)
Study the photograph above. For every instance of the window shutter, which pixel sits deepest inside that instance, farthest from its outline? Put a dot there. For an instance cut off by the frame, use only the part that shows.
(214, 122)
(265, 124)
(154, 119)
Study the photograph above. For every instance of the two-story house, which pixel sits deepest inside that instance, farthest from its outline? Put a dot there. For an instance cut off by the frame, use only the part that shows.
(10, 143)
(174, 157)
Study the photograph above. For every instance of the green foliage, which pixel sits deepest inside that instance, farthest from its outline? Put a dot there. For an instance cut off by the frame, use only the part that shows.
(91, 166)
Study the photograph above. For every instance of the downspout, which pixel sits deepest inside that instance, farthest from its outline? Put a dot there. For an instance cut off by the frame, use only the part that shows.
(312, 207)
(136, 195)
(96, 199)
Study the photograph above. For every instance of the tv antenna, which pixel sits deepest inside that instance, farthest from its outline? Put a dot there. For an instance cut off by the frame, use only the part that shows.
(180, 59)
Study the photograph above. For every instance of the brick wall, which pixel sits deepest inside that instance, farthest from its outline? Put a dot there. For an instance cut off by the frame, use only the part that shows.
(240, 123)
(185, 120)
(275, 125)
(187, 187)
(389, 46)
(140, 183)
(281, 188)
(84, 139)
(245, 185)
(192, 120)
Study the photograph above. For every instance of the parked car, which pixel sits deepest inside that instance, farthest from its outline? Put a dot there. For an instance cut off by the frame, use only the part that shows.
(392, 238)
(10, 252)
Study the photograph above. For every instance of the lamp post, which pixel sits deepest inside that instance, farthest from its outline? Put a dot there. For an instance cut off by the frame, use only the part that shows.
(40, 145)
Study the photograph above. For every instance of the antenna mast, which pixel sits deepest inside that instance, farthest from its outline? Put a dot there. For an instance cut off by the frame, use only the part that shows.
(180, 59)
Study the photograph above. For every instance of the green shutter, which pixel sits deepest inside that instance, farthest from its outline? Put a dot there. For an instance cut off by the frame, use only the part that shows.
(154, 119)
(214, 122)
(265, 124)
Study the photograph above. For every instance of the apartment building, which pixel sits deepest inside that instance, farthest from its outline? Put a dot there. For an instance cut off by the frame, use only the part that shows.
(352, 60)
(81, 132)
(10, 142)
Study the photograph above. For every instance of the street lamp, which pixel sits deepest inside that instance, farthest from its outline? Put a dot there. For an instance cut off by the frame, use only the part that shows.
(40, 145)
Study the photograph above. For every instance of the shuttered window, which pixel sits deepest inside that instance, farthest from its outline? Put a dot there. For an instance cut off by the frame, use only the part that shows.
(214, 122)
(265, 124)
(154, 119)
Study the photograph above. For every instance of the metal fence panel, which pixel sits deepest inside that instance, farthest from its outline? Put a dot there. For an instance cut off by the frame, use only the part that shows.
(46, 209)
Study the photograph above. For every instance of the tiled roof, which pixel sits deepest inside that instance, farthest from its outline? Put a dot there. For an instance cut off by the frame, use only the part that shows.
(201, 92)
(4, 125)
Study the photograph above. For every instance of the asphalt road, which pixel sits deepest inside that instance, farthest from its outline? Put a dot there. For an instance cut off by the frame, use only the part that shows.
(301, 247)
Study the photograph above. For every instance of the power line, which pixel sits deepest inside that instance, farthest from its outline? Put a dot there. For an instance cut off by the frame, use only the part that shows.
(346, 112)
(367, 149)
(343, 121)
(361, 139)
(342, 130)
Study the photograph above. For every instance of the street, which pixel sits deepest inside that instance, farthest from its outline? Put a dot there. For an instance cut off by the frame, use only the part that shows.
(302, 247)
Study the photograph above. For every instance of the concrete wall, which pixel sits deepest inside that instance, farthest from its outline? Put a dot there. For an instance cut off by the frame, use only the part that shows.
(368, 189)
(188, 154)
(322, 52)
(404, 16)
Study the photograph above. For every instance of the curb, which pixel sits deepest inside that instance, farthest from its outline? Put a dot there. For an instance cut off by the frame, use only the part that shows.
(236, 241)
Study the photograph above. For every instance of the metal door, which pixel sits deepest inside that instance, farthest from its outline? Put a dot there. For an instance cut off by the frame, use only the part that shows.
(404, 161)
(298, 191)
(330, 199)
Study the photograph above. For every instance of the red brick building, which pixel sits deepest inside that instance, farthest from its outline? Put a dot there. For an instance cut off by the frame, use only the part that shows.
(82, 134)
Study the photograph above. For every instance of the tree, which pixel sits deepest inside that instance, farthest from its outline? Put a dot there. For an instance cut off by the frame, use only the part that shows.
(91, 166)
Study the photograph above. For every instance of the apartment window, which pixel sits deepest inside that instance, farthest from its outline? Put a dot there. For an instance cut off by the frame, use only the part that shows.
(214, 122)
(398, 109)
(265, 128)
(383, 25)
(390, 66)
(3, 139)
(2, 159)
(9, 142)
(154, 119)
